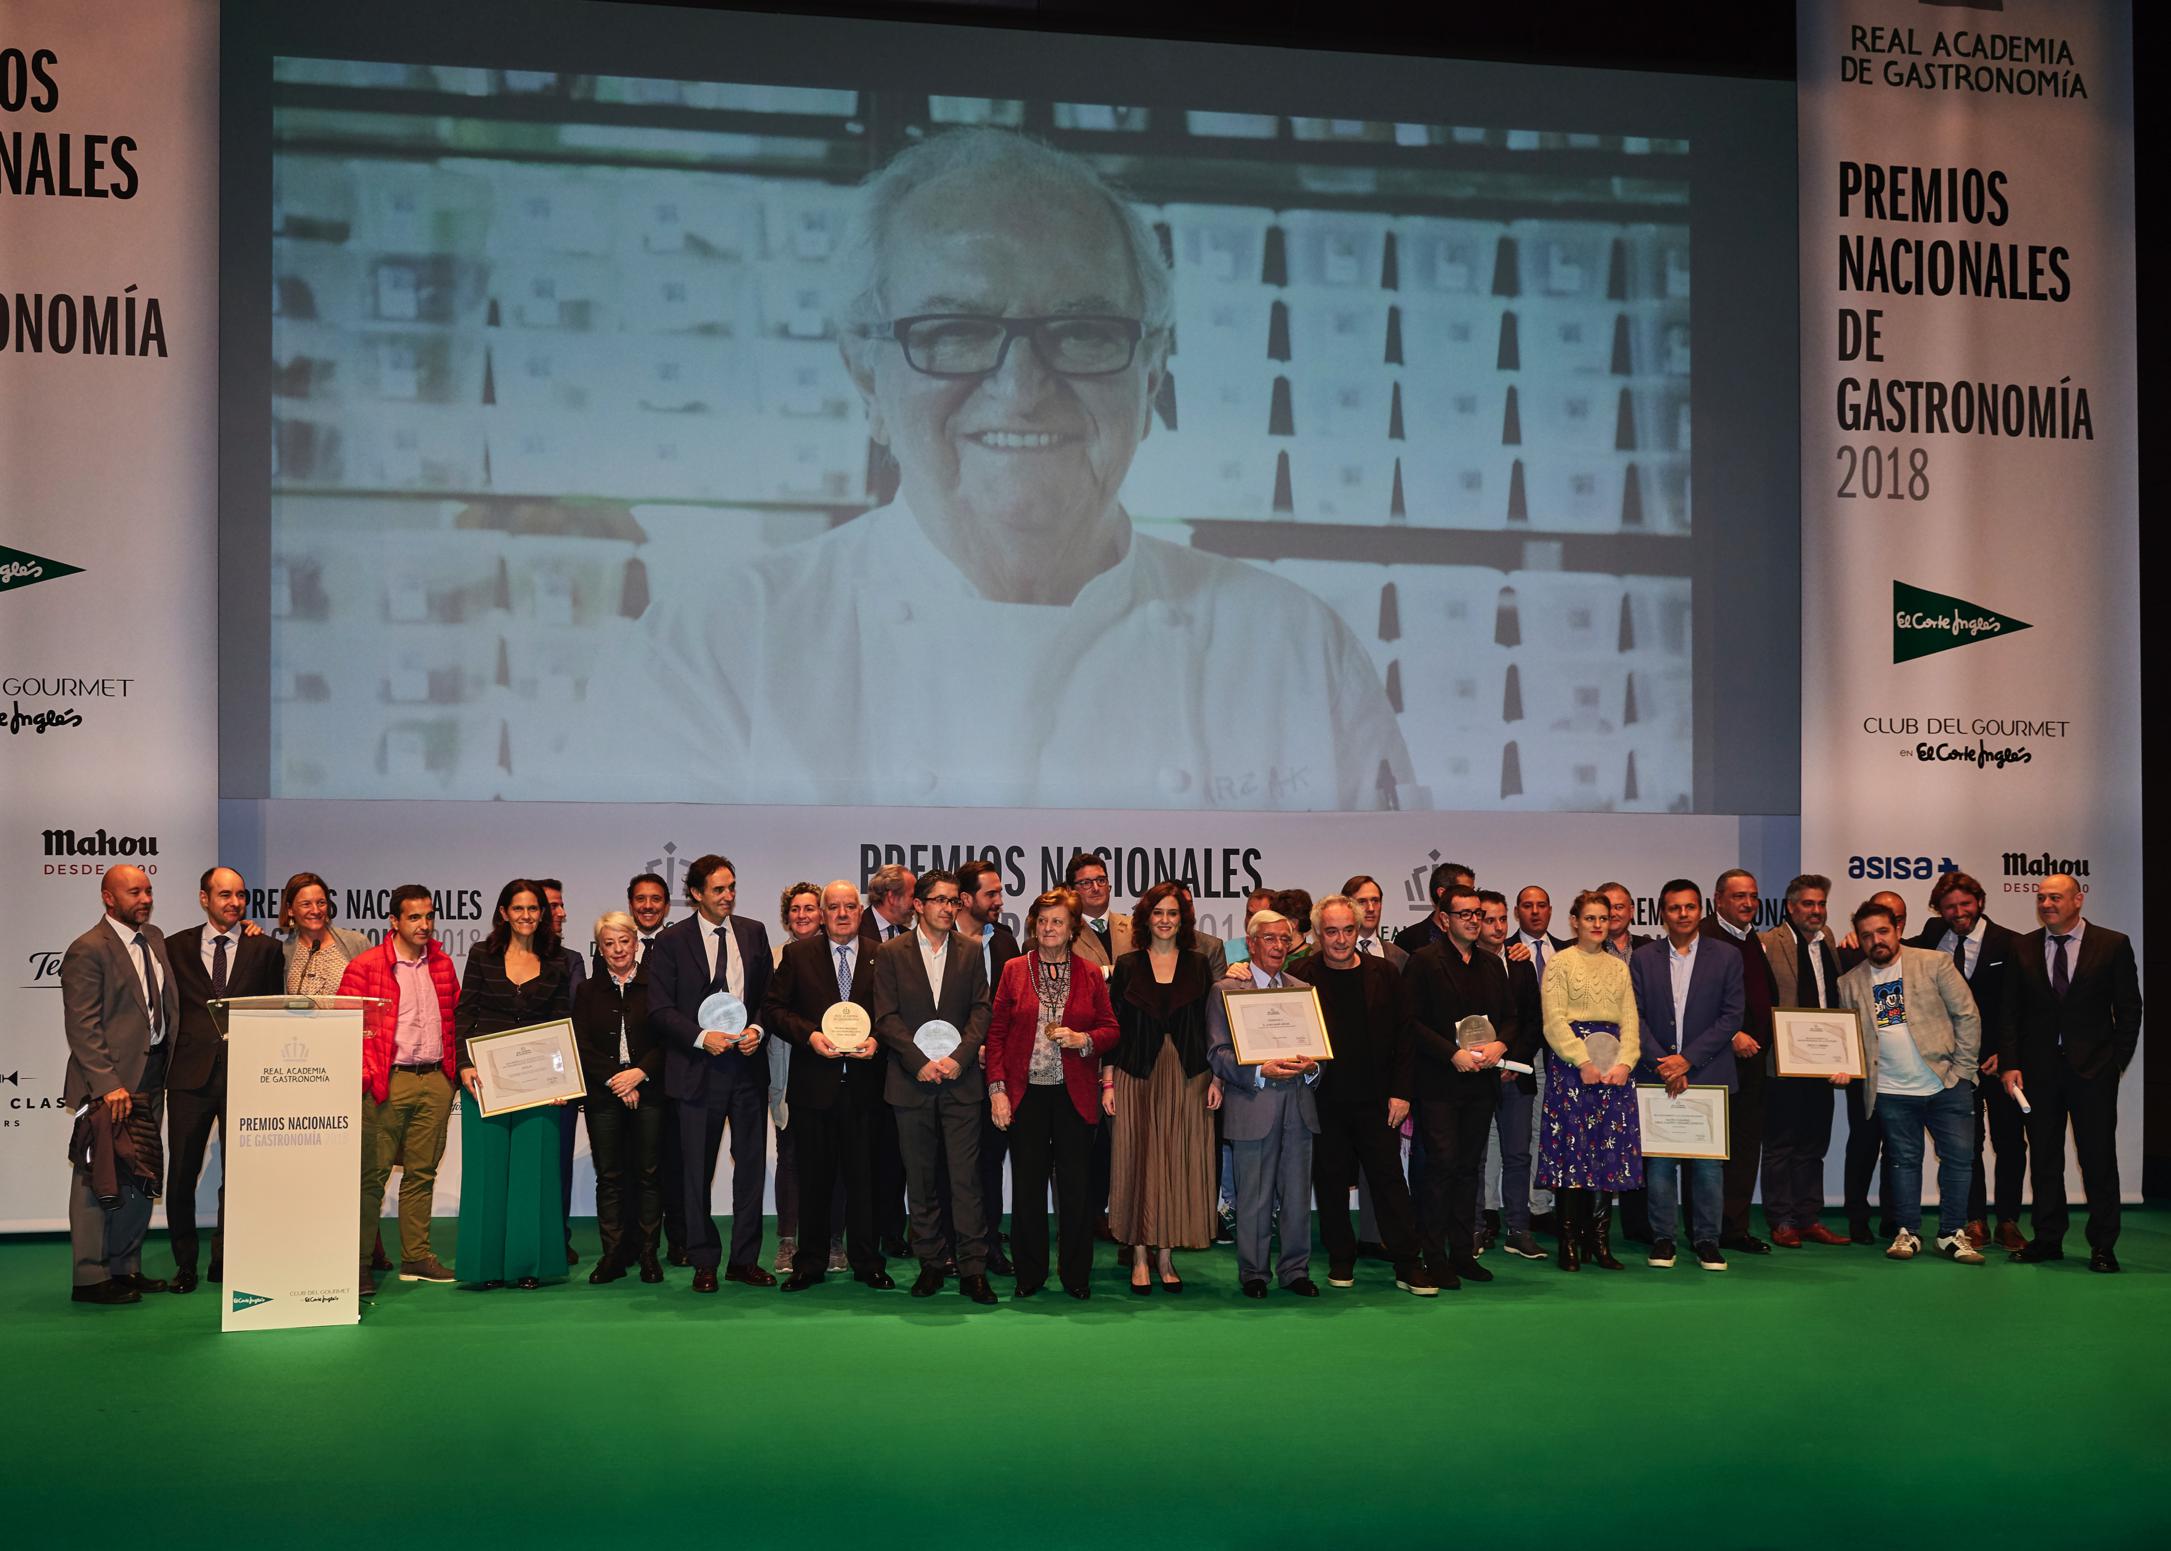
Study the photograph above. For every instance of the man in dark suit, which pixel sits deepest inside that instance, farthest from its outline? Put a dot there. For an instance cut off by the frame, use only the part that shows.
(980, 917)
(569, 1114)
(1458, 1088)
(1985, 954)
(715, 1075)
(210, 962)
(1363, 1096)
(120, 1007)
(1532, 941)
(933, 974)
(1430, 930)
(836, 1094)
(1689, 1006)
(648, 901)
(1805, 972)
(1364, 892)
(1514, 1115)
(2074, 1024)
(1734, 902)
(887, 917)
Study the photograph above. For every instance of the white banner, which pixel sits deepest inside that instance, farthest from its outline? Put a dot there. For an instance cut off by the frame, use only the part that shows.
(294, 1124)
(1970, 619)
(108, 588)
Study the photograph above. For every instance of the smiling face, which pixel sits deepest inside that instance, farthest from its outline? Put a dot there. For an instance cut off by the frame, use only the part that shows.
(1051, 929)
(648, 905)
(938, 909)
(840, 911)
(1622, 913)
(1022, 454)
(524, 913)
(1166, 919)
(414, 925)
(1092, 887)
(1337, 927)
(804, 918)
(1961, 911)
(127, 894)
(312, 910)
(617, 946)
(223, 898)
(1736, 901)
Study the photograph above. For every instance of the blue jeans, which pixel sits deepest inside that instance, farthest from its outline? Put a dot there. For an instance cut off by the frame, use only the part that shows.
(1949, 1119)
(1662, 1187)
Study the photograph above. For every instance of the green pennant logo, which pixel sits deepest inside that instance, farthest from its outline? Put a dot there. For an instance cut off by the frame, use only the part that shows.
(244, 1300)
(20, 568)
(1925, 623)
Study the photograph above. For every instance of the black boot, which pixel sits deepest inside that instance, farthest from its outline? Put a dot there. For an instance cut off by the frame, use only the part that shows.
(1598, 1243)
(1567, 1206)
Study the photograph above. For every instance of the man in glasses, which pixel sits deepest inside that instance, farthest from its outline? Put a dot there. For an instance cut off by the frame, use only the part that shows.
(1006, 318)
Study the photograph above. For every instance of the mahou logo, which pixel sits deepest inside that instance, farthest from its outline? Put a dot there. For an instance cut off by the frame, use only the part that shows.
(68, 842)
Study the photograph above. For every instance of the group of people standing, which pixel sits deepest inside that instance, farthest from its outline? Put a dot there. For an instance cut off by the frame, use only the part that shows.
(1097, 1057)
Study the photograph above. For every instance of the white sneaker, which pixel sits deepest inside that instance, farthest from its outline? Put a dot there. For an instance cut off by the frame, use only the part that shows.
(1957, 1246)
(1904, 1247)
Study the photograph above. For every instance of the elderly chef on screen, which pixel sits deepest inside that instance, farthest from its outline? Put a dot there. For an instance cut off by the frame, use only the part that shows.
(1000, 634)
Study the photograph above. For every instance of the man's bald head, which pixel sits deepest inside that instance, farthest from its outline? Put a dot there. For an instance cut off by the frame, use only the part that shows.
(126, 891)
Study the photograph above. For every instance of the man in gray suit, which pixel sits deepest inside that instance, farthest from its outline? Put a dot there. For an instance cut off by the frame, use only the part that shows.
(1269, 1117)
(121, 1008)
(933, 973)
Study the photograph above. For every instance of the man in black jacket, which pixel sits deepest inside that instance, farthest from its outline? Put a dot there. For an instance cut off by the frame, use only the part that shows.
(1734, 905)
(1458, 1087)
(980, 916)
(836, 1092)
(1363, 1097)
(1515, 1113)
(2076, 1019)
(222, 958)
(1985, 953)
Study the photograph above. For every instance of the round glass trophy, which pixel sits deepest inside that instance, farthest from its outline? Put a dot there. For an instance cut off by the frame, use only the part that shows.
(723, 1011)
(938, 1040)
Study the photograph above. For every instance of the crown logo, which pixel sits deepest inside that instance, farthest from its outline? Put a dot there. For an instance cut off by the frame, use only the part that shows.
(294, 1050)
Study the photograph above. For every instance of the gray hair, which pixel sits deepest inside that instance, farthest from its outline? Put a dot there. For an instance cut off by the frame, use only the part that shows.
(1343, 900)
(990, 152)
(1263, 918)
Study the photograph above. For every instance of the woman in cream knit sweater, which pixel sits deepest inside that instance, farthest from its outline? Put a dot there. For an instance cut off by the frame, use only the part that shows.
(1589, 1139)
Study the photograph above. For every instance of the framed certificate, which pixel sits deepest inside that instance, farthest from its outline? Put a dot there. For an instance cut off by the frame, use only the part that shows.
(520, 1069)
(1816, 1042)
(1691, 1126)
(1276, 1023)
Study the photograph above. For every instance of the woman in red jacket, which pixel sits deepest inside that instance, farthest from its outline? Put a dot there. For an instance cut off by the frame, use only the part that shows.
(1051, 1023)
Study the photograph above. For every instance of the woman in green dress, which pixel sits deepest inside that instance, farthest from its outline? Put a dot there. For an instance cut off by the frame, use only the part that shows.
(512, 1226)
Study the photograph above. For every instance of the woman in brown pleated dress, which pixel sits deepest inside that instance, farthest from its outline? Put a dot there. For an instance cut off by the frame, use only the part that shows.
(1156, 1088)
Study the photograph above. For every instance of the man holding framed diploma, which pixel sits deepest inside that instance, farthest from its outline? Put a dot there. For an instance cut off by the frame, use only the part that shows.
(1269, 1111)
(1804, 963)
(1689, 1000)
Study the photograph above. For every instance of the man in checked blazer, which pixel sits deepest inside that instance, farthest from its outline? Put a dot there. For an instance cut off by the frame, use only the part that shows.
(120, 1008)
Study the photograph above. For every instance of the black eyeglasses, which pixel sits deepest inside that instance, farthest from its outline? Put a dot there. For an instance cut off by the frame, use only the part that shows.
(967, 344)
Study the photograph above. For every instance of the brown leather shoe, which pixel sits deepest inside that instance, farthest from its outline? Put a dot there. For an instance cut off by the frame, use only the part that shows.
(1978, 1233)
(705, 1279)
(1817, 1233)
(1787, 1238)
(2009, 1237)
(750, 1274)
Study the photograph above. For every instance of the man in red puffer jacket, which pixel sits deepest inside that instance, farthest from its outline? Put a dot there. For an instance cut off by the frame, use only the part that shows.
(408, 1059)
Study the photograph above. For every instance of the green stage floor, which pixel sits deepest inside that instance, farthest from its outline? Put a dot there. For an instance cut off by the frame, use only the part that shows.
(1808, 1398)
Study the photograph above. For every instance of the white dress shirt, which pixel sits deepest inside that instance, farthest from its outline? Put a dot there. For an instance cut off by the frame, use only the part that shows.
(233, 946)
(2050, 949)
(153, 1006)
(1974, 941)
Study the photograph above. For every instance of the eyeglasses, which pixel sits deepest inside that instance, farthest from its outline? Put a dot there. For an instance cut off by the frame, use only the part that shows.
(940, 899)
(967, 344)
(1467, 915)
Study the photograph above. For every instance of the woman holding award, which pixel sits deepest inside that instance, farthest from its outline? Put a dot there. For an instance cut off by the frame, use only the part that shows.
(1158, 1093)
(1047, 1031)
(1590, 1143)
(512, 1226)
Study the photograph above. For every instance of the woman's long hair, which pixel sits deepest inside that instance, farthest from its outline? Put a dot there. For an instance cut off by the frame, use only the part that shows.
(501, 929)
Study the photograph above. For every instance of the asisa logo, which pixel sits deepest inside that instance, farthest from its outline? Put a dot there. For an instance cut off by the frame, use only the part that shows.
(1899, 868)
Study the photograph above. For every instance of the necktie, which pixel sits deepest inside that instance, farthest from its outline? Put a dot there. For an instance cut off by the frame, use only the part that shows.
(1537, 955)
(152, 1001)
(723, 957)
(218, 965)
(844, 974)
(648, 942)
(2060, 979)
(1959, 956)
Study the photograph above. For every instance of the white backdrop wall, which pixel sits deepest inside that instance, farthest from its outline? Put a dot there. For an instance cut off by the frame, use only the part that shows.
(1971, 603)
(108, 488)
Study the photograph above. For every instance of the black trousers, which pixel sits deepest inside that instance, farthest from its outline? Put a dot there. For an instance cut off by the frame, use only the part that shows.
(191, 1116)
(627, 1145)
(744, 1108)
(1998, 1117)
(1354, 1138)
(1865, 1141)
(1797, 1134)
(994, 1148)
(939, 1138)
(1744, 1147)
(1455, 1127)
(892, 1213)
(1049, 1136)
(2058, 1094)
(835, 1151)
